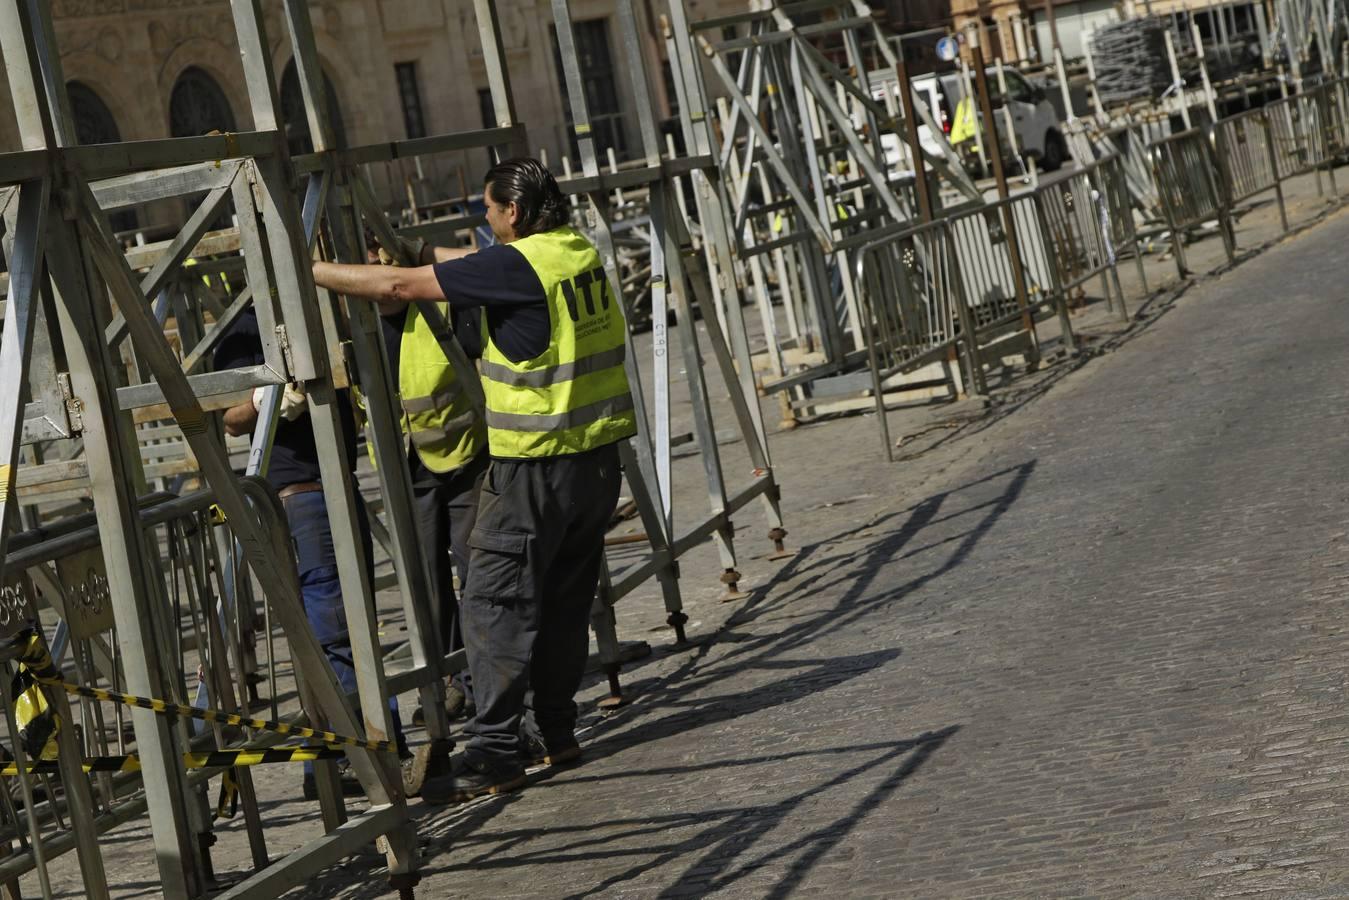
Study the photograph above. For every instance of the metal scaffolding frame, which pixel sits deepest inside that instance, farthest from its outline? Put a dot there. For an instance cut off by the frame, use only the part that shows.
(106, 352)
(679, 276)
(801, 141)
(65, 258)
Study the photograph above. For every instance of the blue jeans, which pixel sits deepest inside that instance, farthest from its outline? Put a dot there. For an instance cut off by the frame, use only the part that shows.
(322, 591)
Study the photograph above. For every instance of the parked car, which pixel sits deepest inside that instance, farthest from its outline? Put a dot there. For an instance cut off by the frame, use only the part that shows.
(1034, 119)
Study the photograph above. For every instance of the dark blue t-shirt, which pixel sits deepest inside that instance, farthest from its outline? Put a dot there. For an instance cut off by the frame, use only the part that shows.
(294, 457)
(500, 280)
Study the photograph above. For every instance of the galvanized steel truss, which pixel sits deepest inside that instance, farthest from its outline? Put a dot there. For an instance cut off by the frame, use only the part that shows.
(802, 143)
(101, 381)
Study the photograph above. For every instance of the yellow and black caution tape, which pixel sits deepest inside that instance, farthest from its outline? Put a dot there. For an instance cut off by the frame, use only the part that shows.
(39, 663)
(211, 759)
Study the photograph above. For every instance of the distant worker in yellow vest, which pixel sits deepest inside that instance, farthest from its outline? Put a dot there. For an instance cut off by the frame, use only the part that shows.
(558, 403)
(963, 128)
(447, 458)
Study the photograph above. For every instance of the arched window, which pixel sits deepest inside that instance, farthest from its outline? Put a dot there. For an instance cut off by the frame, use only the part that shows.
(293, 113)
(198, 106)
(94, 124)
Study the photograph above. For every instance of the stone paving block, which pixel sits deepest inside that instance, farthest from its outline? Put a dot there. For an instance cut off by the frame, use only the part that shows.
(1089, 644)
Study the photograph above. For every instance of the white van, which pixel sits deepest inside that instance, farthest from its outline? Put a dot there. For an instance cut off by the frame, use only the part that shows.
(1033, 117)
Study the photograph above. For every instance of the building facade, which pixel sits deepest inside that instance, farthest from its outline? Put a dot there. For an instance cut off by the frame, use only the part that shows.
(147, 69)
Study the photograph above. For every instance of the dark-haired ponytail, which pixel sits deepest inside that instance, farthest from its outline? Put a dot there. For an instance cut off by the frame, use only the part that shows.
(554, 213)
(532, 188)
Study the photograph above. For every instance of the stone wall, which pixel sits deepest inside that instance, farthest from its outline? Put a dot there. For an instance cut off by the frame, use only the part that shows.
(131, 53)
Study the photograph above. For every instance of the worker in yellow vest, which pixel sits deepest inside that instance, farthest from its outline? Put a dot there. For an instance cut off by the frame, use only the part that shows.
(963, 129)
(447, 458)
(558, 403)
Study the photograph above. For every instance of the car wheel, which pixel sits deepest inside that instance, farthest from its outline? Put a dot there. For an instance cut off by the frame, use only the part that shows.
(1056, 151)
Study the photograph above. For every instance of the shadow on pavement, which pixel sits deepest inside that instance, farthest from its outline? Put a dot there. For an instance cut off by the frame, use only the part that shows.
(774, 633)
(721, 853)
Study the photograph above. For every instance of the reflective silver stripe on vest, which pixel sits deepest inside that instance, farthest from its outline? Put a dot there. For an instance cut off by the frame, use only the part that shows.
(581, 416)
(414, 406)
(450, 431)
(586, 365)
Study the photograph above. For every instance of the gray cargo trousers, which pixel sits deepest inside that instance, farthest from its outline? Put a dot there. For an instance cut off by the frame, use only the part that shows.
(534, 563)
(445, 511)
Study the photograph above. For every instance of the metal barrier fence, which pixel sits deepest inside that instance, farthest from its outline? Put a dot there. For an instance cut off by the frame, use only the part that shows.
(991, 246)
(62, 567)
(1247, 161)
(955, 290)
(1336, 121)
(1185, 172)
(1299, 138)
(1201, 176)
(1086, 219)
(913, 309)
(950, 290)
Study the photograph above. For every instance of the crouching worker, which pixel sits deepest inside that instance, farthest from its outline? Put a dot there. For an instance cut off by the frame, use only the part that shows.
(558, 403)
(293, 470)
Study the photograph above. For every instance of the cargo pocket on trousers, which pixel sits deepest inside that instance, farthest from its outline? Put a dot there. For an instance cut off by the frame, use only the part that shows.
(499, 565)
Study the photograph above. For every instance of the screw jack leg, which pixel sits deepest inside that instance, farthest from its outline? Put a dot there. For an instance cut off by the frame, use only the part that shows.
(404, 884)
(677, 620)
(731, 578)
(615, 698)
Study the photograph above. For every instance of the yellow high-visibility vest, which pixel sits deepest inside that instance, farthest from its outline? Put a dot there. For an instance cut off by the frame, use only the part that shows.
(962, 129)
(437, 417)
(574, 396)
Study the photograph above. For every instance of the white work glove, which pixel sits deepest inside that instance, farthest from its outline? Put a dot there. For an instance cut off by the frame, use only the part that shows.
(293, 401)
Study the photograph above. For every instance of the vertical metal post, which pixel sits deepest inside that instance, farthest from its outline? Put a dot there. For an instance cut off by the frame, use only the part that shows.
(1176, 80)
(921, 184)
(1053, 26)
(1209, 99)
(1008, 219)
(498, 74)
(653, 463)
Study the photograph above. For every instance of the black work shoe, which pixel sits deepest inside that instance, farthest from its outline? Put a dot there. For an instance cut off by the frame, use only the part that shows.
(538, 752)
(470, 778)
(351, 785)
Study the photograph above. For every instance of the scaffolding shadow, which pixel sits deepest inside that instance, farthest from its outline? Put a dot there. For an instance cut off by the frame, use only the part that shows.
(828, 587)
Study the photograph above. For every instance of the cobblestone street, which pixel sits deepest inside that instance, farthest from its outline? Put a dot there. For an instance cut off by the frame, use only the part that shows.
(1099, 651)
(1085, 642)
